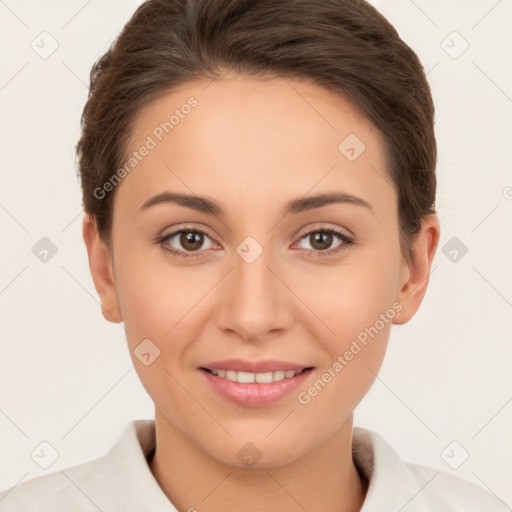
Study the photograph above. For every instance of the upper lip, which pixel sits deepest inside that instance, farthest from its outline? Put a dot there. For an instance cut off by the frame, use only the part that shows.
(264, 366)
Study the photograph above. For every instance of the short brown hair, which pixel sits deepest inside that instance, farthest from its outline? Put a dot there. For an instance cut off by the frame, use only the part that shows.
(345, 46)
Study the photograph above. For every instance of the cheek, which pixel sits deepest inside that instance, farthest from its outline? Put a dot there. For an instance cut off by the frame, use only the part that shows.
(357, 312)
(154, 294)
(165, 304)
(351, 297)
(360, 320)
(356, 303)
(157, 303)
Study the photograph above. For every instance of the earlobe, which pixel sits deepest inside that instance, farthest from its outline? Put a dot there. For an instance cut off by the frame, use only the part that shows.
(417, 274)
(101, 270)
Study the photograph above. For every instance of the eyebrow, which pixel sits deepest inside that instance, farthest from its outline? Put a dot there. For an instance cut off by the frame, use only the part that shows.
(210, 206)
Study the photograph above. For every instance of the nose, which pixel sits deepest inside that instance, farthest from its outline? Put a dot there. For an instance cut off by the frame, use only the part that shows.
(254, 301)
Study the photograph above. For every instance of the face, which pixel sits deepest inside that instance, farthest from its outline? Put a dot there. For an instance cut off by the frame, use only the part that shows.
(264, 274)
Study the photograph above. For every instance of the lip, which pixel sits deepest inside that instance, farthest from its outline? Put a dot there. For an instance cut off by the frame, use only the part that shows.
(255, 394)
(264, 366)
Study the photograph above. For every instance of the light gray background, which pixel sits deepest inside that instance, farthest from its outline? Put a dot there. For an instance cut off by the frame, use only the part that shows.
(65, 373)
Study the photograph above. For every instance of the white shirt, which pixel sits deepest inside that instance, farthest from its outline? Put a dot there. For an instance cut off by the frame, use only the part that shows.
(121, 481)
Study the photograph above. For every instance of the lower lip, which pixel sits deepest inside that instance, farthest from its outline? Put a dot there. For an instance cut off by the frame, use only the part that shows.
(255, 394)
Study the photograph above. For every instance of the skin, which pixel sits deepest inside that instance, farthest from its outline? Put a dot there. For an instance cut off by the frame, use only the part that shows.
(252, 146)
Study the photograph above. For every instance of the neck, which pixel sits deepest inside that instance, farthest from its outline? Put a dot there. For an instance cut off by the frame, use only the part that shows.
(325, 479)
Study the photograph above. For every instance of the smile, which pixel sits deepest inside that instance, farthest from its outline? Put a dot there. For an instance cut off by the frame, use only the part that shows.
(254, 389)
(249, 377)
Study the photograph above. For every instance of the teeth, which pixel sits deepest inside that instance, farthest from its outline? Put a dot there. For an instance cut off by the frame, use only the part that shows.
(248, 377)
(264, 378)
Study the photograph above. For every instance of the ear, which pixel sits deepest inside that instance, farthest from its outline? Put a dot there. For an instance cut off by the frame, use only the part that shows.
(415, 275)
(101, 269)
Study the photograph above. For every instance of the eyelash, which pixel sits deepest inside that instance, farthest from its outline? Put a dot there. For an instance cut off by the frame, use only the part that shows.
(317, 253)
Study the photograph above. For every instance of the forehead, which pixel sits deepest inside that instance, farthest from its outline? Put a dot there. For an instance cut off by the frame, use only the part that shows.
(245, 141)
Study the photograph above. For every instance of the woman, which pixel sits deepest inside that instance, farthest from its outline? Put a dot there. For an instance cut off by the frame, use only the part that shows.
(259, 186)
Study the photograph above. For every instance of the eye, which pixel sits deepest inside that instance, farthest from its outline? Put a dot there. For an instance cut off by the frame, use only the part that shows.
(191, 240)
(323, 238)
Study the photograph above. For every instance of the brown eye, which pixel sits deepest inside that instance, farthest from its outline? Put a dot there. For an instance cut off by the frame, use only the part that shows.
(321, 241)
(191, 240)
(185, 242)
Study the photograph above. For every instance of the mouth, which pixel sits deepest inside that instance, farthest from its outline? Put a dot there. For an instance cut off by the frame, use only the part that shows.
(254, 384)
(243, 377)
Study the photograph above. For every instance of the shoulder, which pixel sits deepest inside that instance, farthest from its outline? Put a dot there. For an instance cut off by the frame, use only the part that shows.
(79, 488)
(443, 491)
(413, 487)
(119, 480)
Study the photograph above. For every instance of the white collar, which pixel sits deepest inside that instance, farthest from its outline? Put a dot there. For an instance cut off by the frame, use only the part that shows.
(393, 483)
